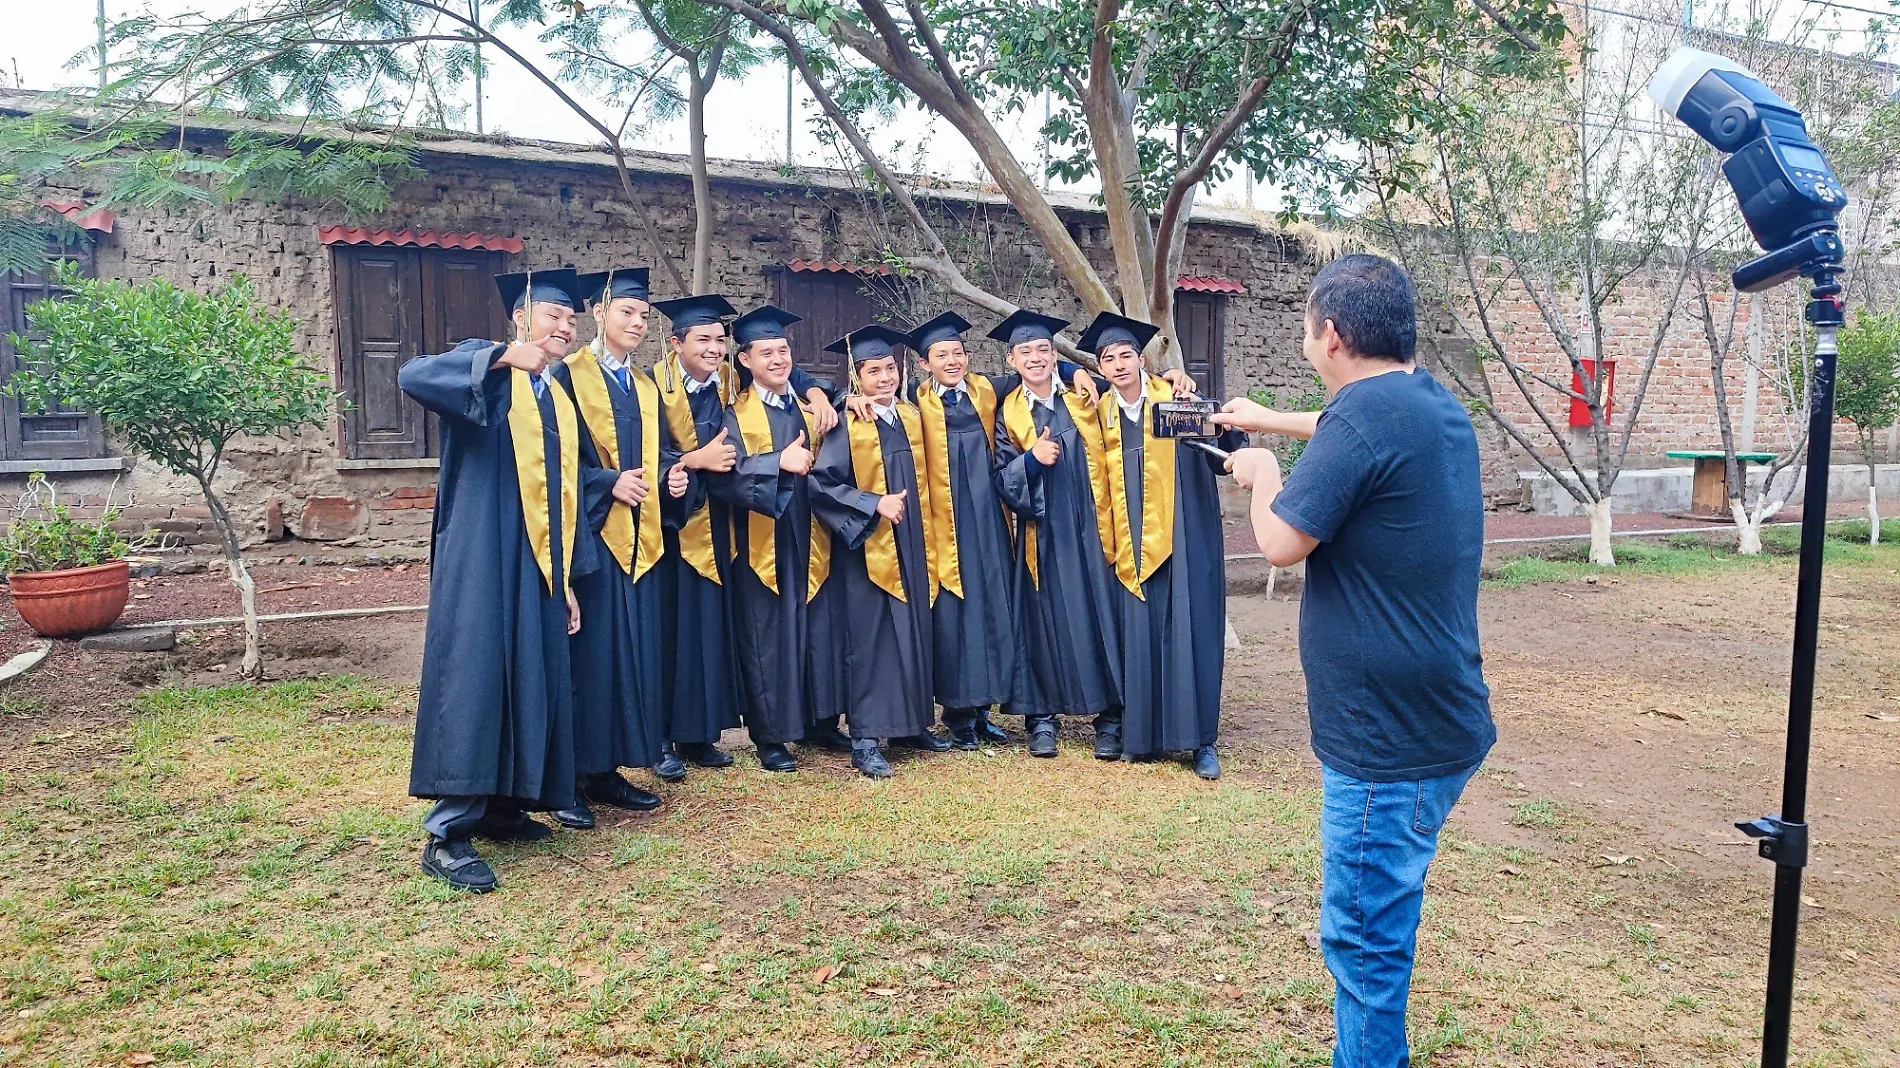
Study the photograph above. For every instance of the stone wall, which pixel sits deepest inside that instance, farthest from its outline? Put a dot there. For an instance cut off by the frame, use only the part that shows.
(566, 208)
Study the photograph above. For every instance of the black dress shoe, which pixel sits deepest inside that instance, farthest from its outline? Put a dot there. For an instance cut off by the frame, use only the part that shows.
(1108, 741)
(990, 732)
(775, 757)
(926, 741)
(828, 737)
(963, 736)
(611, 789)
(1206, 763)
(457, 864)
(1042, 740)
(704, 754)
(669, 768)
(516, 827)
(578, 818)
(869, 759)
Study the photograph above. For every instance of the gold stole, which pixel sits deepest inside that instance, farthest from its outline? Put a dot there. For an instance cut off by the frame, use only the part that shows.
(867, 464)
(696, 538)
(1022, 430)
(531, 470)
(1157, 493)
(940, 534)
(597, 411)
(755, 430)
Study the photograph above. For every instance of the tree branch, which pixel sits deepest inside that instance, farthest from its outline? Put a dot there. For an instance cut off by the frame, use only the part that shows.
(1279, 51)
(1505, 24)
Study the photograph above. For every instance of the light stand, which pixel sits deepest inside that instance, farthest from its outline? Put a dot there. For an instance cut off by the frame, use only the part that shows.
(1790, 199)
(1784, 838)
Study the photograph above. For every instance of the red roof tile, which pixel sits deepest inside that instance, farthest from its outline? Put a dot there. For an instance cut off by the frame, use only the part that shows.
(353, 235)
(834, 266)
(1208, 284)
(98, 220)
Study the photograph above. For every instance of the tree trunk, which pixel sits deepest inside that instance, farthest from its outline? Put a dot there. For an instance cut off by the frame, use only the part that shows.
(1873, 509)
(1600, 552)
(252, 666)
(702, 188)
(1747, 528)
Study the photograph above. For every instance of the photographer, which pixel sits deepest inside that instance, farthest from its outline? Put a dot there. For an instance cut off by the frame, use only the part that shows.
(1385, 507)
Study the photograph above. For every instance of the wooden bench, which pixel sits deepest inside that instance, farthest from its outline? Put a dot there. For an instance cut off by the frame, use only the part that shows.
(1708, 495)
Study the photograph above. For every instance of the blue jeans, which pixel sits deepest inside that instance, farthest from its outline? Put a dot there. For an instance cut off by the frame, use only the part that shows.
(1378, 838)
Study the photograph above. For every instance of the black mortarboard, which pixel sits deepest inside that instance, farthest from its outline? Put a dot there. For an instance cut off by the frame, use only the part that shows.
(872, 342)
(688, 312)
(616, 283)
(558, 286)
(1026, 326)
(1110, 329)
(946, 327)
(762, 324)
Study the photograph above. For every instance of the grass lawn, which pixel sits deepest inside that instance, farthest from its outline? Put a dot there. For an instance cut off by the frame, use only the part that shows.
(228, 877)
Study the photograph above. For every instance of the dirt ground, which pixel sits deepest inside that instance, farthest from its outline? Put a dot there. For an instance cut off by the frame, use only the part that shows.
(1638, 719)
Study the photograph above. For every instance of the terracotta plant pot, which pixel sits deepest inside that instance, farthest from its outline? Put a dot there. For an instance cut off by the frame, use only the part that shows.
(67, 604)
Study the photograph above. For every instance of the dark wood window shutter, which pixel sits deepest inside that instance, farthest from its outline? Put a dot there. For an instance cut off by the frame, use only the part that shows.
(62, 433)
(392, 305)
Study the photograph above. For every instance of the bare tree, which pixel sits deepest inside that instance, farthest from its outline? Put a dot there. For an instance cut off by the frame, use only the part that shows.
(1566, 198)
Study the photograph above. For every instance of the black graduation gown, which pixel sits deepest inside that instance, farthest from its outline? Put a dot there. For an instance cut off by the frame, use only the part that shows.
(887, 644)
(496, 713)
(699, 681)
(616, 655)
(773, 633)
(979, 660)
(1067, 623)
(1174, 635)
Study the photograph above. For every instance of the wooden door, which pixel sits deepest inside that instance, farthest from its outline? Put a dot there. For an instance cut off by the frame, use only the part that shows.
(379, 296)
(1200, 321)
(59, 434)
(833, 303)
(392, 305)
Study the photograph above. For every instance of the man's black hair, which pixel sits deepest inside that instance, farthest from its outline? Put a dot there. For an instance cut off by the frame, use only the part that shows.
(1370, 301)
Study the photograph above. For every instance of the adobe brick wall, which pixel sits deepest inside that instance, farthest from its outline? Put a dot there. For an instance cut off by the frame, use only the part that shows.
(571, 214)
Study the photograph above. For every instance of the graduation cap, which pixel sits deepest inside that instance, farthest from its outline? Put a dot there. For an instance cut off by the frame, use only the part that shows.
(1112, 329)
(872, 342)
(688, 312)
(616, 283)
(762, 324)
(1023, 327)
(559, 286)
(946, 327)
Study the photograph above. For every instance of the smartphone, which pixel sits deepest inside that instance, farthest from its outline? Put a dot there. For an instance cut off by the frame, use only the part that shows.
(1185, 419)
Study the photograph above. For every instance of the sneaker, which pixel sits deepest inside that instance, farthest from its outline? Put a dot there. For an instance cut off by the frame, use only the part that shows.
(1206, 763)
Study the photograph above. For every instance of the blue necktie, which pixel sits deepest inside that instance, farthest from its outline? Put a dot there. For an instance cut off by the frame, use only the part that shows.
(626, 383)
(540, 387)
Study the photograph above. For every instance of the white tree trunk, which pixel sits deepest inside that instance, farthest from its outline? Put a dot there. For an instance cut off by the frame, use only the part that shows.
(1232, 640)
(1873, 509)
(1600, 552)
(252, 666)
(1747, 529)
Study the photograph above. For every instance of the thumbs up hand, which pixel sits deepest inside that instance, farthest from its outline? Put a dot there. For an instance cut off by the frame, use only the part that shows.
(632, 487)
(796, 458)
(1046, 450)
(677, 481)
(716, 455)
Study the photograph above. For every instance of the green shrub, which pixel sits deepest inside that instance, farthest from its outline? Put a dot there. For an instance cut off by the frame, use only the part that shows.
(46, 537)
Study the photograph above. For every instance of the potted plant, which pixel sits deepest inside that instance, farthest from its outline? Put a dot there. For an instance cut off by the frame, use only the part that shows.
(69, 576)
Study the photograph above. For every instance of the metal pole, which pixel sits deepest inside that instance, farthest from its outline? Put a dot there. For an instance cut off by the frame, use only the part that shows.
(789, 70)
(1785, 838)
(475, 15)
(102, 45)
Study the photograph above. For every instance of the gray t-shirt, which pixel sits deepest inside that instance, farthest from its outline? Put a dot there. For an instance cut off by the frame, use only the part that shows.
(1389, 617)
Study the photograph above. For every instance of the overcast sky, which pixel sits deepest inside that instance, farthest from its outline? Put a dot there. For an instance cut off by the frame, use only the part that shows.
(746, 119)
